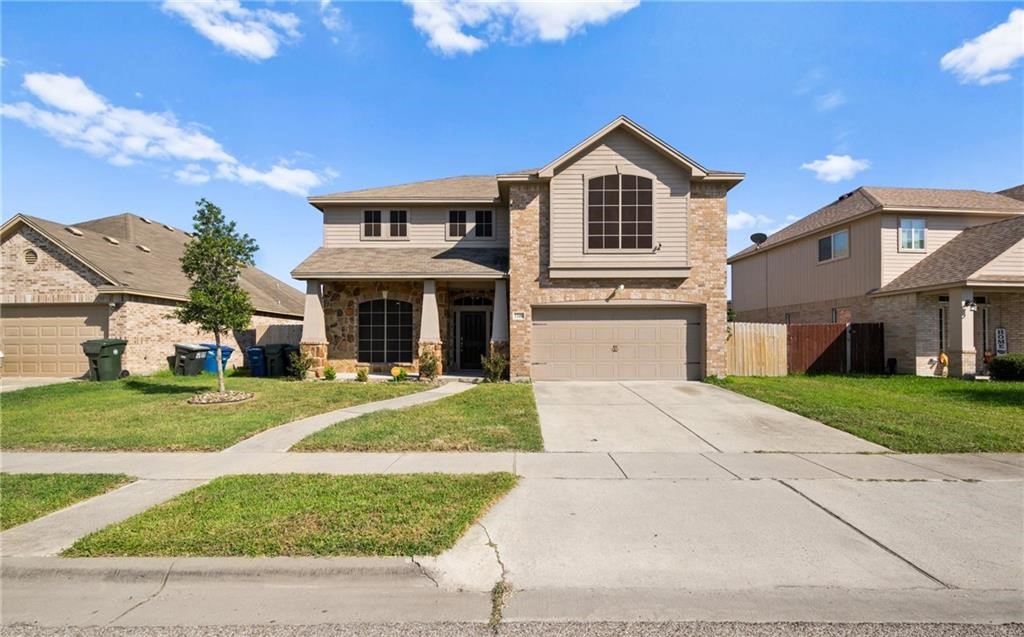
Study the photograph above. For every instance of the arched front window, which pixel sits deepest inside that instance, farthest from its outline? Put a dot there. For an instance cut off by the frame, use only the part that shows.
(385, 332)
(620, 213)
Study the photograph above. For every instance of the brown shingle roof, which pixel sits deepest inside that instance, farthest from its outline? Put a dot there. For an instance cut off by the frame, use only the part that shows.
(961, 257)
(404, 262)
(1017, 192)
(869, 198)
(465, 187)
(156, 272)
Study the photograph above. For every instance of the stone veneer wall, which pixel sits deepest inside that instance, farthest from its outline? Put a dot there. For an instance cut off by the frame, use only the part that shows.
(55, 277)
(529, 284)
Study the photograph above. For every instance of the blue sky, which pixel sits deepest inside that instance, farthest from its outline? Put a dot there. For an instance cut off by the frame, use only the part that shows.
(146, 107)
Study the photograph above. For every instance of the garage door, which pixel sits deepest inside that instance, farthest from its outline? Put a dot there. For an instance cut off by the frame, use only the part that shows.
(46, 340)
(643, 343)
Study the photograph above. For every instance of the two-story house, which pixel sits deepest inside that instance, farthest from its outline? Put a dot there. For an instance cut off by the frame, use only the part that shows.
(606, 263)
(942, 269)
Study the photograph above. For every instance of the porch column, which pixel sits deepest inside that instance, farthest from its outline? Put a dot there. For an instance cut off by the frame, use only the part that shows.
(430, 323)
(962, 355)
(314, 334)
(499, 324)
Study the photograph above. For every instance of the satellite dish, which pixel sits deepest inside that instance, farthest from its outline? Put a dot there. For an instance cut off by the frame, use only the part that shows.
(758, 238)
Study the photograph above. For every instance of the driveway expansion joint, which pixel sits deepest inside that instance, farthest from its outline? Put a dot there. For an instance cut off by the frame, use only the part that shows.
(670, 416)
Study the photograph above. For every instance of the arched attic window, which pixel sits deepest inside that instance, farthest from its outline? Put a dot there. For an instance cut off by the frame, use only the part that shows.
(385, 332)
(620, 213)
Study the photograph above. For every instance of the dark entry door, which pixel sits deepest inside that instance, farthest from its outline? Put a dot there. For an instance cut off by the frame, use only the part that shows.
(472, 338)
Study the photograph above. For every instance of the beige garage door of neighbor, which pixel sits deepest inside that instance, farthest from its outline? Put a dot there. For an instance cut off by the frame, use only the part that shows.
(638, 343)
(46, 340)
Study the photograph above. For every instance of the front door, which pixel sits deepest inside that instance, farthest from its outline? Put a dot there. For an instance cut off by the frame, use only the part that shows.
(472, 338)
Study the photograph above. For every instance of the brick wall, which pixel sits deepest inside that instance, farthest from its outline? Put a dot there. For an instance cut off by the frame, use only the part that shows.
(55, 277)
(530, 283)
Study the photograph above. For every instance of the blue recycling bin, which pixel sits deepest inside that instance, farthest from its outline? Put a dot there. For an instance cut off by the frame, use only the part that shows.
(210, 365)
(257, 361)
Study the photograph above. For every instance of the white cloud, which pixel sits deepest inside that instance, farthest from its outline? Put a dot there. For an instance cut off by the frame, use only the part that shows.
(742, 220)
(78, 117)
(255, 34)
(836, 167)
(831, 100)
(985, 59)
(446, 22)
(330, 16)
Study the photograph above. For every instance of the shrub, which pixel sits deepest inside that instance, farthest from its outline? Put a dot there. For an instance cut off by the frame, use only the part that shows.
(428, 364)
(362, 374)
(494, 367)
(299, 364)
(400, 375)
(1007, 367)
(329, 373)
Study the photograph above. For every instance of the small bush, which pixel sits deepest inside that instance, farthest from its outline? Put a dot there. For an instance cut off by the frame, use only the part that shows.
(329, 373)
(494, 367)
(1007, 367)
(428, 364)
(362, 374)
(299, 364)
(399, 374)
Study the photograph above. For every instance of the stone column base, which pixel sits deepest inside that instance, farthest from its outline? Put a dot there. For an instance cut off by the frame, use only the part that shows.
(318, 352)
(436, 349)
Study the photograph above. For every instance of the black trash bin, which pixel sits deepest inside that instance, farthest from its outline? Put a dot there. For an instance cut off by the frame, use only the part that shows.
(189, 359)
(276, 363)
(104, 356)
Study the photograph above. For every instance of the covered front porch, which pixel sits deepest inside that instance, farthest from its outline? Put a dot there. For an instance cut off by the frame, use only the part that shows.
(970, 325)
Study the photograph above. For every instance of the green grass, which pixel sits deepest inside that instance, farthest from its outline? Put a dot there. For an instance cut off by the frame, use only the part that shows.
(150, 412)
(486, 418)
(312, 515)
(27, 496)
(911, 414)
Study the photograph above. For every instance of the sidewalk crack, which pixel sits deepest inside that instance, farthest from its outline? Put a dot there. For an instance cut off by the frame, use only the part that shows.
(424, 572)
(502, 589)
(163, 584)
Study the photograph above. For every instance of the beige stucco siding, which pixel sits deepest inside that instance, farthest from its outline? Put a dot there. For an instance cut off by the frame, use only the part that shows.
(427, 227)
(620, 151)
(1009, 263)
(791, 274)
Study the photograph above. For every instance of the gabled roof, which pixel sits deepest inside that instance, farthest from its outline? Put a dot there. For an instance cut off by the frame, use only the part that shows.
(145, 260)
(870, 199)
(466, 188)
(959, 261)
(407, 263)
(1016, 192)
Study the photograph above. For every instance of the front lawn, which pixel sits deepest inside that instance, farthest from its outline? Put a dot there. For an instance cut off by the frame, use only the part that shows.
(306, 515)
(911, 414)
(27, 496)
(486, 418)
(149, 413)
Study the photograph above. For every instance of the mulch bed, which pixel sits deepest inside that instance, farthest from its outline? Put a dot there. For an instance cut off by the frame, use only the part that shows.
(220, 398)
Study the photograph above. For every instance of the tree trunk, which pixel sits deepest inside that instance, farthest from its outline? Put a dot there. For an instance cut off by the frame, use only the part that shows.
(220, 363)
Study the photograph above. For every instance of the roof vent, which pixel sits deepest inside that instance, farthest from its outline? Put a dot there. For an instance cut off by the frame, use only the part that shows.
(111, 240)
(73, 230)
(143, 248)
(144, 220)
(167, 227)
(846, 196)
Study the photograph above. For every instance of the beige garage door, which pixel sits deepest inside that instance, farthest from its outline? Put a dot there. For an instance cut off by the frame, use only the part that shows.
(46, 340)
(643, 343)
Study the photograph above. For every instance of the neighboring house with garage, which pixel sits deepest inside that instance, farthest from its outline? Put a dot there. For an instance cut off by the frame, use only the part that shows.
(115, 277)
(606, 263)
(942, 269)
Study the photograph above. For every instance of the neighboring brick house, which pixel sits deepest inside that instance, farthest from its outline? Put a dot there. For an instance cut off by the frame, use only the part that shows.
(942, 269)
(607, 263)
(116, 277)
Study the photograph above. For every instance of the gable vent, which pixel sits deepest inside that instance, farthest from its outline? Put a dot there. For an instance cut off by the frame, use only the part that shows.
(143, 248)
(144, 220)
(111, 240)
(31, 256)
(73, 230)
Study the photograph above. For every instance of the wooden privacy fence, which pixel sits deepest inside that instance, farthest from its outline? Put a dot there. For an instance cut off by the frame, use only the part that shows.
(772, 349)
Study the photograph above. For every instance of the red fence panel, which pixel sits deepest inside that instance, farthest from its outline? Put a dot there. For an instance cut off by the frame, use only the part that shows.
(816, 349)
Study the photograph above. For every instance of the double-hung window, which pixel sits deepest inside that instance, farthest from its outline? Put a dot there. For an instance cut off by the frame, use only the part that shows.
(912, 235)
(399, 224)
(620, 213)
(456, 224)
(834, 246)
(393, 226)
(371, 223)
(484, 224)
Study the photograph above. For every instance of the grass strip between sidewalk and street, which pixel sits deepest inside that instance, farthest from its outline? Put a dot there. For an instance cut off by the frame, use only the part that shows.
(910, 414)
(489, 417)
(306, 515)
(27, 496)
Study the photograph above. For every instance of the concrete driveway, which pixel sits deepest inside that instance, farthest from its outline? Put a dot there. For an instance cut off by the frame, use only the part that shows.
(676, 416)
(15, 383)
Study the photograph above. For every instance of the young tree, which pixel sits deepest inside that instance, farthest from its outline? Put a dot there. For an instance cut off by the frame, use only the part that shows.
(213, 260)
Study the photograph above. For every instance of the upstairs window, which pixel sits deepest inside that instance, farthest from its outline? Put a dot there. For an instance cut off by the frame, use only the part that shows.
(399, 226)
(912, 235)
(484, 224)
(377, 225)
(371, 223)
(456, 223)
(620, 213)
(834, 246)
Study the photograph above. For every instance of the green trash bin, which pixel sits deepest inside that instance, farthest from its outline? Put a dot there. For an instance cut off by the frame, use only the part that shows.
(189, 359)
(276, 361)
(104, 356)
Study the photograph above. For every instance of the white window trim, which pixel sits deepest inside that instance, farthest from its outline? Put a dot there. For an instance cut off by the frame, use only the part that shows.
(385, 225)
(471, 225)
(831, 236)
(899, 235)
(620, 170)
